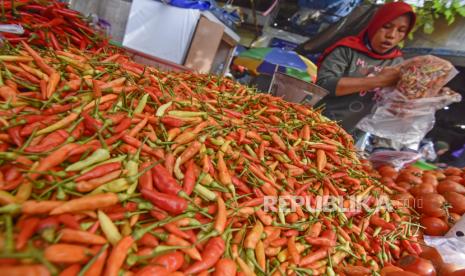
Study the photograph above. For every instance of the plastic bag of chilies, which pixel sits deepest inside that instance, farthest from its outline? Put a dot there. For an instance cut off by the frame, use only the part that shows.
(405, 113)
(424, 76)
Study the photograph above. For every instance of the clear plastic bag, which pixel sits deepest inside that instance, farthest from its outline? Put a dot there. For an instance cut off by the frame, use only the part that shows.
(406, 113)
(450, 248)
(405, 120)
(427, 151)
(397, 159)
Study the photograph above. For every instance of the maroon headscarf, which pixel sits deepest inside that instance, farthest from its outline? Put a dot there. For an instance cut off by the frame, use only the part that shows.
(383, 15)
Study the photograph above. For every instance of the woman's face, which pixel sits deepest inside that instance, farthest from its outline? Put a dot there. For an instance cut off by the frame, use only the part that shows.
(388, 36)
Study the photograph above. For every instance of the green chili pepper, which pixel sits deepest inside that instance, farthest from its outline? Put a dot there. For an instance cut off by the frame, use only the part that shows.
(9, 242)
(250, 151)
(186, 114)
(133, 169)
(204, 192)
(10, 209)
(61, 195)
(114, 186)
(109, 228)
(141, 105)
(377, 231)
(161, 110)
(97, 156)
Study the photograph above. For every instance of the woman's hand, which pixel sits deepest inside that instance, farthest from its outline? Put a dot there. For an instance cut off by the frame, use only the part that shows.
(388, 77)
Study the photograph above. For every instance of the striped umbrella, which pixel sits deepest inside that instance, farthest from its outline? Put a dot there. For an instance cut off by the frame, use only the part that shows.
(271, 60)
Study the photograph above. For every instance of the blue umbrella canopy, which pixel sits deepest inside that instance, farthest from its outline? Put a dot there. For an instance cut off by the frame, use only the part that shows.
(270, 60)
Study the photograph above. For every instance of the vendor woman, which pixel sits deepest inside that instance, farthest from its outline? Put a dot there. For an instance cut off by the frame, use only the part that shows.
(355, 67)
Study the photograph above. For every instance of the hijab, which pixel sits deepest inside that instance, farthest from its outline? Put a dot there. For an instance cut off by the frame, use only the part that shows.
(383, 15)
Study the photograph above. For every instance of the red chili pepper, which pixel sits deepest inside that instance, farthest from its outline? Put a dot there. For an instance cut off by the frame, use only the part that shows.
(83, 27)
(69, 221)
(73, 32)
(15, 40)
(15, 136)
(54, 41)
(83, 44)
(170, 227)
(377, 221)
(171, 261)
(337, 175)
(29, 119)
(52, 23)
(28, 229)
(99, 171)
(123, 125)
(278, 242)
(239, 184)
(115, 118)
(77, 40)
(68, 13)
(49, 142)
(170, 203)
(213, 251)
(56, 109)
(291, 233)
(105, 106)
(117, 215)
(129, 207)
(149, 240)
(37, 8)
(114, 138)
(164, 182)
(91, 123)
(94, 227)
(253, 202)
(375, 245)
(192, 237)
(78, 131)
(189, 178)
(83, 148)
(395, 251)
(3, 147)
(118, 255)
(258, 193)
(416, 247)
(232, 113)
(157, 152)
(320, 241)
(13, 184)
(48, 222)
(12, 173)
(172, 121)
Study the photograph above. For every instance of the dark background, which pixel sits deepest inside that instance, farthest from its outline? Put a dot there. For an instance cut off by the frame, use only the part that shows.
(448, 122)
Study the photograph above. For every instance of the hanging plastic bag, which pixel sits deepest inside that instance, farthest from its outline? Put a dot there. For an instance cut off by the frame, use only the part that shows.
(403, 120)
(406, 113)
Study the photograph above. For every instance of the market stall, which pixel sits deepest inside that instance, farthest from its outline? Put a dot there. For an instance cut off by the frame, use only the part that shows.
(110, 166)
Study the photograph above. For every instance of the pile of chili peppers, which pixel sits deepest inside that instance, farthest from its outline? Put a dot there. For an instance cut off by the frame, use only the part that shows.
(49, 24)
(109, 166)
